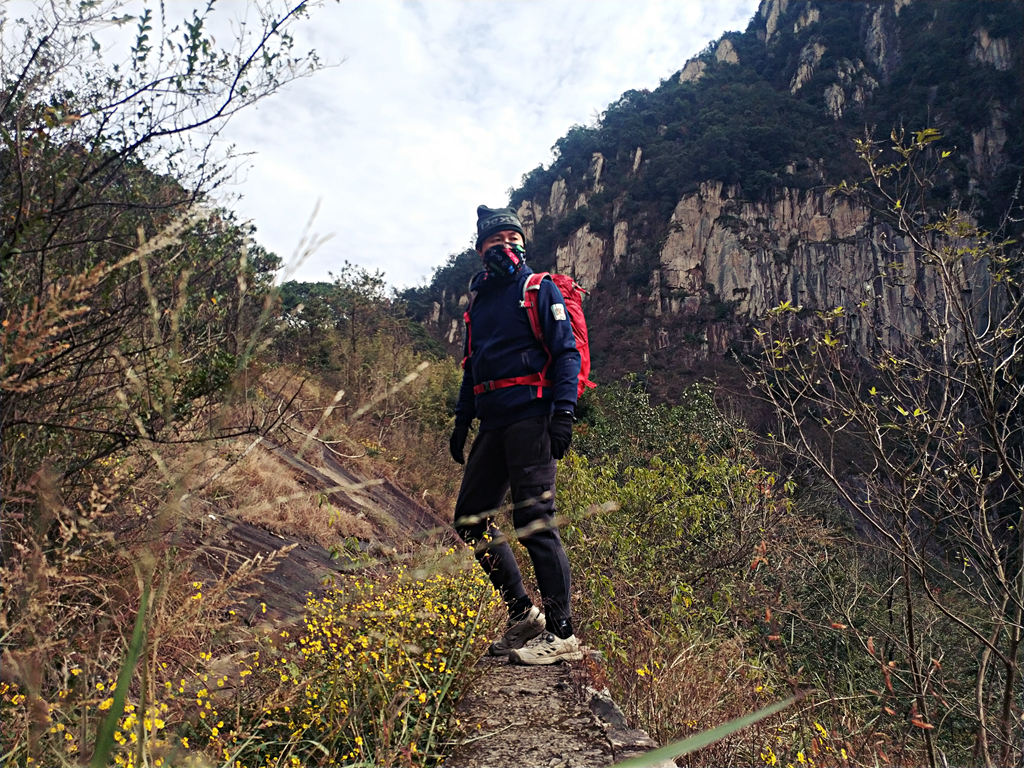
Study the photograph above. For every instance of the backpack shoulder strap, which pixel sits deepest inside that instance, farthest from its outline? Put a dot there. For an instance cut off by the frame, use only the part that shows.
(469, 327)
(531, 290)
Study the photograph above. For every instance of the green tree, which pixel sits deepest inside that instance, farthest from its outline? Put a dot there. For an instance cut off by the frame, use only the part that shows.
(448, 284)
(132, 309)
(128, 298)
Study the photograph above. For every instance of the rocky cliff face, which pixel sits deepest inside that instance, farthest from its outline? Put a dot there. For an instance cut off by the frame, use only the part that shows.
(684, 271)
(809, 248)
(724, 258)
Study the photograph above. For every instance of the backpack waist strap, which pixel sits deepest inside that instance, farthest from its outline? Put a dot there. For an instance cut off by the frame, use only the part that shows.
(538, 380)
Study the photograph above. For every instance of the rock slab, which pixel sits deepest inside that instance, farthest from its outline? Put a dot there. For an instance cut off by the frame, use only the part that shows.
(541, 716)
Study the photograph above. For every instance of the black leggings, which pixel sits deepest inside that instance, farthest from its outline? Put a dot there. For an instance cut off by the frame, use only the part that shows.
(516, 456)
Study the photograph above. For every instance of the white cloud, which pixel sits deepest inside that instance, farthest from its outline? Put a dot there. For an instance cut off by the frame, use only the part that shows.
(434, 106)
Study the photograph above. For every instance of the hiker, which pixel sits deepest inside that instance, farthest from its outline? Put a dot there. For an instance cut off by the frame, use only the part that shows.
(525, 426)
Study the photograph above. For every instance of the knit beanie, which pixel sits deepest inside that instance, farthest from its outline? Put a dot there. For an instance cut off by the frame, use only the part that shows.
(491, 220)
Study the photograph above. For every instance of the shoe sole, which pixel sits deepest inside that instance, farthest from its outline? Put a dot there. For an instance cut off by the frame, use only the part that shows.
(513, 658)
(506, 651)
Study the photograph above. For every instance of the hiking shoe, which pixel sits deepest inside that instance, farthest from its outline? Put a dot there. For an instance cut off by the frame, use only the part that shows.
(547, 649)
(519, 633)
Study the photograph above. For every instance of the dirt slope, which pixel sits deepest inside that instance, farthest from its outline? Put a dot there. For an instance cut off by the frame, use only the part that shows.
(223, 542)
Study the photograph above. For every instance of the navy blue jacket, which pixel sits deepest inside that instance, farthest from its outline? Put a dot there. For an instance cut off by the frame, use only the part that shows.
(501, 345)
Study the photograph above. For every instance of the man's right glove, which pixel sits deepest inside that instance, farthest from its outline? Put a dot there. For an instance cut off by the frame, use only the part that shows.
(561, 433)
(457, 442)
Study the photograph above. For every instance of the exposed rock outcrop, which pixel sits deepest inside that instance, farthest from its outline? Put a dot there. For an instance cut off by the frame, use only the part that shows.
(881, 43)
(544, 716)
(853, 86)
(805, 247)
(988, 145)
(530, 215)
(582, 257)
(771, 11)
(594, 172)
(638, 157)
(810, 57)
(693, 71)
(620, 241)
(808, 16)
(725, 53)
(993, 51)
(693, 270)
(556, 204)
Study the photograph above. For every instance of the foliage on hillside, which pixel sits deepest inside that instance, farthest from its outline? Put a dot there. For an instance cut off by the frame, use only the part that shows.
(666, 509)
(448, 284)
(712, 586)
(370, 677)
(390, 389)
(128, 299)
(741, 124)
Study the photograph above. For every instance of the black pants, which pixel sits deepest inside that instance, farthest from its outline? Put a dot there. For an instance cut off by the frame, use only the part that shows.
(516, 456)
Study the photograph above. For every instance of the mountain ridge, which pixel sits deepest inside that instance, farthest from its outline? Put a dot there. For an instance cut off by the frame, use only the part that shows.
(691, 209)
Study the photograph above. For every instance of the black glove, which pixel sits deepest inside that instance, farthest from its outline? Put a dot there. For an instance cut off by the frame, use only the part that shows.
(457, 442)
(561, 433)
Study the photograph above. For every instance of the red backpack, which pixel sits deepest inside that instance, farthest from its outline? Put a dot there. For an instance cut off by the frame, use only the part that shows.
(572, 292)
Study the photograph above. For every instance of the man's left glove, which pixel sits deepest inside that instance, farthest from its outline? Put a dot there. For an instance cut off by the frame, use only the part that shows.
(561, 433)
(457, 442)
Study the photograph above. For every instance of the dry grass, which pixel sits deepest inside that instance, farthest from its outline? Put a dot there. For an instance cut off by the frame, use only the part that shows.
(264, 490)
(406, 444)
(70, 601)
(711, 681)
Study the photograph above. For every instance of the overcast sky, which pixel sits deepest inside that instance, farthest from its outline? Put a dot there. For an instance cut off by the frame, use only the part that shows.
(428, 108)
(436, 106)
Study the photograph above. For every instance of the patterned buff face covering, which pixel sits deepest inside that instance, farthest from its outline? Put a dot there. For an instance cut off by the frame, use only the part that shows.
(504, 259)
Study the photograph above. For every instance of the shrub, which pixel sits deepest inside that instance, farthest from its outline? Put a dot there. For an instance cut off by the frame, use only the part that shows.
(666, 532)
(370, 677)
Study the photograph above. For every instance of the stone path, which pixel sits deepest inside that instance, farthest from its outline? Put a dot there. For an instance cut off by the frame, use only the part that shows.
(550, 716)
